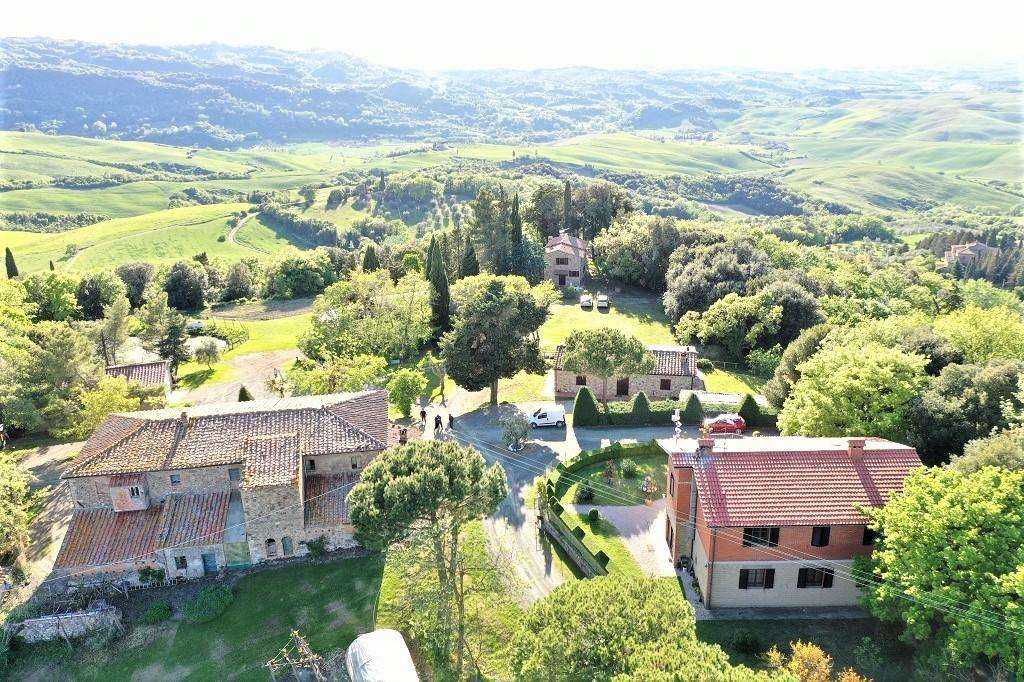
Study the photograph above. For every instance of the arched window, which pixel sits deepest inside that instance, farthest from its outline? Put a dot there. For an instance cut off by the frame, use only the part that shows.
(286, 546)
(271, 547)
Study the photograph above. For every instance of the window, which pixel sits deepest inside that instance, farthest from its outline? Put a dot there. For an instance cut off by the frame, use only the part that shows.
(671, 484)
(355, 462)
(135, 491)
(869, 536)
(175, 479)
(286, 546)
(574, 273)
(762, 536)
(819, 536)
(581, 380)
(815, 577)
(561, 261)
(271, 547)
(180, 563)
(757, 578)
(665, 385)
(310, 465)
(234, 474)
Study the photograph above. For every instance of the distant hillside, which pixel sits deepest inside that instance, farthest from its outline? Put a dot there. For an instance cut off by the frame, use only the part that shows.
(227, 97)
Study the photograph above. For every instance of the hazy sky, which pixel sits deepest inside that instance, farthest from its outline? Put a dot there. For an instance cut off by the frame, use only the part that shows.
(774, 34)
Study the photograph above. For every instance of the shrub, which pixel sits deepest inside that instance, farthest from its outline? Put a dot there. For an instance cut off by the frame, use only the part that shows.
(753, 414)
(705, 365)
(593, 516)
(579, 532)
(158, 612)
(746, 642)
(584, 493)
(571, 292)
(601, 557)
(629, 468)
(693, 412)
(208, 604)
(151, 575)
(317, 548)
(641, 409)
(763, 362)
(26, 610)
(584, 409)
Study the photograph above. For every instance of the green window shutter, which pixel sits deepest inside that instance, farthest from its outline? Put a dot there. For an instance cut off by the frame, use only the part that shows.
(769, 578)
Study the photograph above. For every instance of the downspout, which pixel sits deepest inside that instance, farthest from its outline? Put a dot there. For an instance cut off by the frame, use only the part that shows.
(711, 567)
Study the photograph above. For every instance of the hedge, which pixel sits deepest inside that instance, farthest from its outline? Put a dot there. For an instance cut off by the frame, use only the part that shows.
(584, 409)
(752, 413)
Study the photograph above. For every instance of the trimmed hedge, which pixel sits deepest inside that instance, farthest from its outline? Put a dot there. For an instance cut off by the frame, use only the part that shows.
(693, 412)
(584, 409)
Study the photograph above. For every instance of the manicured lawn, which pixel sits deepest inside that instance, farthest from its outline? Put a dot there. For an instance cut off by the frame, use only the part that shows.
(409, 589)
(329, 603)
(603, 536)
(636, 314)
(620, 490)
(726, 381)
(839, 638)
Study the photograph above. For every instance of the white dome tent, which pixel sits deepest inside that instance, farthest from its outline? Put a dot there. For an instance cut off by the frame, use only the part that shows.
(380, 656)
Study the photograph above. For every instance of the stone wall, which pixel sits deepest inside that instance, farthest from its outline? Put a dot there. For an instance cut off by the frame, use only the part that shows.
(566, 386)
(339, 463)
(193, 558)
(69, 625)
(272, 513)
(199, 480)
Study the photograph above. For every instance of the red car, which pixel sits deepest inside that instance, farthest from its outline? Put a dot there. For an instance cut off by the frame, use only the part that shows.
(725, 423)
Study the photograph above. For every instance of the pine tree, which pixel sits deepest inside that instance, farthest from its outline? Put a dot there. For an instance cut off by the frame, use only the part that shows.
(173, 345)
(470, 265)
(370, 260)
(243, 394)
(567, 208)
(12, 267)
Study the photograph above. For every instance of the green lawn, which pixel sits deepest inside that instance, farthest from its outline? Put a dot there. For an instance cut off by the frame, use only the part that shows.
(636, 314)
(329, 603)
(727, 381)
(839, 638)
(620, 490)
(603, 536)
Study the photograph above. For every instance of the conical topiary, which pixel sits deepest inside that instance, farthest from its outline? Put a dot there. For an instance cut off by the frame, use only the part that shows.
(244, 394)
(750, 410)
(584, 410)
(693, 413)
(641, 409)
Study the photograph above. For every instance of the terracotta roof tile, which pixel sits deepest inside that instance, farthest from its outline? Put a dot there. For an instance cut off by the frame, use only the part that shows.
(271, 460)
(790, 481)
(568, 244)
(326, 498)
(209, 435)
(669, 360)
(193, 519)
(149, 373)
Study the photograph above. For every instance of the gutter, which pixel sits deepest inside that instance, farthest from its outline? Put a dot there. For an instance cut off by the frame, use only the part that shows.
(711, 567)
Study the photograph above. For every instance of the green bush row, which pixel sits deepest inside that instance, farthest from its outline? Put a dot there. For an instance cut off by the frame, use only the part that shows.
(575, 537)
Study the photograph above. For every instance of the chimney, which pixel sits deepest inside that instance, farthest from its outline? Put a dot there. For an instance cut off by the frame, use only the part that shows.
(855, 447)
(704, 446)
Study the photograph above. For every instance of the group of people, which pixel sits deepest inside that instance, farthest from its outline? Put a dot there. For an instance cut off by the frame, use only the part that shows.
(439, 425)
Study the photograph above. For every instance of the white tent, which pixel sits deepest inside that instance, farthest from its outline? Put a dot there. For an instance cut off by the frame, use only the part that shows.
(380, 656)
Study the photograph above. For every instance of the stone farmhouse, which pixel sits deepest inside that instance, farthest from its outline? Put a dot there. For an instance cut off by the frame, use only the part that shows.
(965, 254)
(675, 370)
(146, 373)
(198, 490)
(565, 260)
(775, 521)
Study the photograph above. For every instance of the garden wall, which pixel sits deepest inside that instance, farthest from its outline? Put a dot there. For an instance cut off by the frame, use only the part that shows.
(67, 625)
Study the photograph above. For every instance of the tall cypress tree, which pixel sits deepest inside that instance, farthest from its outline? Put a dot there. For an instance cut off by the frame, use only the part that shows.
(12, 267)
(440, 296)
(567, 208)
(52, 266)
(370, 260)
(432, 254)
(515, 220)
(470, 265)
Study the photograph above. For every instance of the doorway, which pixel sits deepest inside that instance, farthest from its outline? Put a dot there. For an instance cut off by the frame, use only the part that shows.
(209, 564)
(561, 280)
(622, 387)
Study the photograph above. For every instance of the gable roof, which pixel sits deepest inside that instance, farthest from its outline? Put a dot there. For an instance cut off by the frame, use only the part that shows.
(98, 537)
(793, 481)
(209, 435)
(271, 460)
(669, 360)
(156, 373)
(567, 244)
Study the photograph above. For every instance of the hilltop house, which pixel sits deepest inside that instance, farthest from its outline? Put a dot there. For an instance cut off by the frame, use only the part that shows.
(965, 254)
(196, 490)
(776, 521)
(565, 260)
(675, 369)
(156, 373)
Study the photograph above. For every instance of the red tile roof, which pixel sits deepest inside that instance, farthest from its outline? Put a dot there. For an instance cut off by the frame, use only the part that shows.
(568, 244)
(326, 498)
(789, 481)
(669, 360)
(150, 373)
(208, 435)
(103, 536)
(271, 460)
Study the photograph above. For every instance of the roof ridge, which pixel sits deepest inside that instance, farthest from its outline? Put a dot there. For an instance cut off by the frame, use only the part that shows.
(354, 427)
(140, 424)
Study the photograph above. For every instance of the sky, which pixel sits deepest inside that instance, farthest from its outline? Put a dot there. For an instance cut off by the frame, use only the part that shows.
(463, 34)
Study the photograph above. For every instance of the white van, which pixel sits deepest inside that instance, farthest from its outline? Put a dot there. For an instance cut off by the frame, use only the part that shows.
(549, 415)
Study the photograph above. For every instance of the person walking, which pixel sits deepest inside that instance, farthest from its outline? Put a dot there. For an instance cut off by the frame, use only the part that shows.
(437, 424)
(451, 422)
(423, 416)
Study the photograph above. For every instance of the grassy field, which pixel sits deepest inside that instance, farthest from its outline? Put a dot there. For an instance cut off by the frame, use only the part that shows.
(839, 638)
(639, 315)
(604, 537)
(726, 381)
(329, 603)
(620, 490)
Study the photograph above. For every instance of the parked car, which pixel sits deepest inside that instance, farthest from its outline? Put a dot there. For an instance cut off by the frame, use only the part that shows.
(586, 300)
(602, 301)
(550, 415)
(725, 423)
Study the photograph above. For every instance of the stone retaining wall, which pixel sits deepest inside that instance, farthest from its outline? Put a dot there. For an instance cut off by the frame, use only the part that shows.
(69, 625)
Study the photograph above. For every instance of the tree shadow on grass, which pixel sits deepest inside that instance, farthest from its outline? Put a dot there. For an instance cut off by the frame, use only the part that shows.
(194, 380)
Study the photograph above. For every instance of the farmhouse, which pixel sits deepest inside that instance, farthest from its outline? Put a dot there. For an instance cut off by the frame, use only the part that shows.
(675, 370)
(965, 254)
(196, 490)
(775, 522)
(146, 373)
(565, 260)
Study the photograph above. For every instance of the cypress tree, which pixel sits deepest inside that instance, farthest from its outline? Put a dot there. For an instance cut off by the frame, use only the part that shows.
(370, 260)
(52, 268)
(567, 208)
(515, 235)
(750, 410)
(470, 265)
(243, 394)
(432, 258)
(12, 267)
(693, 412)
(440, 296)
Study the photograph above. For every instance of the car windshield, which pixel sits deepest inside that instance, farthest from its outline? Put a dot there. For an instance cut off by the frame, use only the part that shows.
(537, 413)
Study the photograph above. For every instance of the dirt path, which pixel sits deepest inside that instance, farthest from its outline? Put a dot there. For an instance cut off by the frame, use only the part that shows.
(234, 231)
(250, 370)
